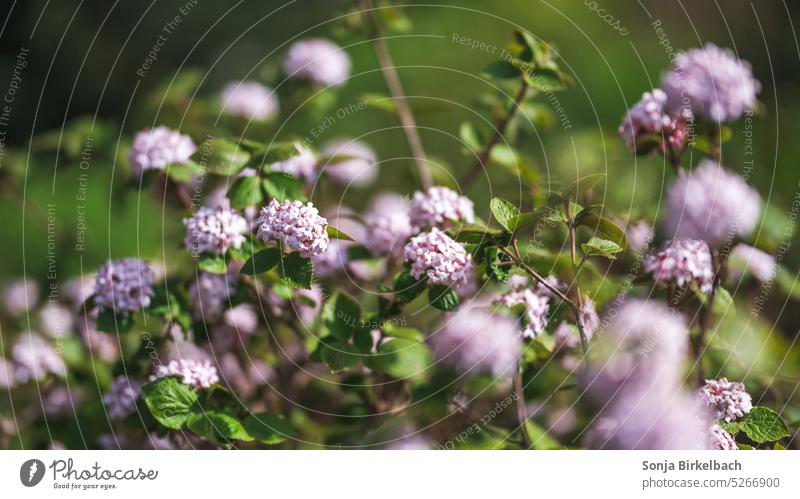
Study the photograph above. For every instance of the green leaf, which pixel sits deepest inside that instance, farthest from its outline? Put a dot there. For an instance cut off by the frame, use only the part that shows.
(597, 246)
(401, 358)
(112, 323)
(545, 79)
(403, 332)
(356, 252)
(268, 428)
(471, 136)
(262, 261)
(184, 172)
(723, 301)
(335, 233)
(504, 212)
(213, 264)
(341, 316)
(170, 401)
(502, 70)
(296, 271)
(473, 233)
(494, 257)
(442, 297)
(221, 157)
(245, 192)
(762, 424)
(601, 226)
(582, 185)
(217, 426)
(407, 288)
(340, 356)
(277, 152)
(283, 186)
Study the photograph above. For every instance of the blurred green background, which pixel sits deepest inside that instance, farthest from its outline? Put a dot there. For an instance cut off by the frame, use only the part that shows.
(84, 56)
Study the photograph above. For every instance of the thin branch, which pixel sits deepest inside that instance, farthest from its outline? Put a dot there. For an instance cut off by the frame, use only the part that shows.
(522, 409)
(500, 130)
(402, 109)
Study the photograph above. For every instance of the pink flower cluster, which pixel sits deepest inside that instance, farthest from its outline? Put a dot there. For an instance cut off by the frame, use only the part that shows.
(439, 207)
(747, 258)
(317, 60)
(124, 285)
(350, 162)
(650, 117)
(534, 306)
(729, 400)
(719, 439)
(154, 149)
(388, 224)
(475, 340)
(250, 100)
(303, 165)
(295, 224)
(712, 204)
(199, 374)
(681, 262)
(711, 82)
(35, 358)
(215, 230)
(439, 258)
(120, 400)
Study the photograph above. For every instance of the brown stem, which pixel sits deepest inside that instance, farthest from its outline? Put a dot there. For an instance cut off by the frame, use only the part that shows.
(576, 311)
(500, 130)
(403, 111)
(522, 409)
(675, 161)
(699, 345)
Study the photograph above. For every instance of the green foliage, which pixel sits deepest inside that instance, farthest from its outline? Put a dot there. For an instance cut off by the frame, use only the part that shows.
(221, 156)
(505, 213)
(406, 287)
(401, 358)
(442, 297)
(597, 246)
(341, 316)
(170, 401)
(282, 186)
(296, 271)
(213, 264)
(761, 425)
(335, 233)
(245, 191)
(262, 261)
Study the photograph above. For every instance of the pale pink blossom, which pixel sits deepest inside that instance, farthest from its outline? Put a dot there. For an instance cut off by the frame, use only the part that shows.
(35, 358)
(475, 340)
(745, 258)
(20, 296)
(388, 224)
(682, 261)
(350, 162)
(215, 231)
(712, 204)
(711, 82)
(317, 60)
(156, 148)
(729, 400)
(439, 258)
(439, 207)
(299, 226)
(250, 100)
(124, 285)
(121, 398)
(197, 374)
(719, 439)
(303, 165)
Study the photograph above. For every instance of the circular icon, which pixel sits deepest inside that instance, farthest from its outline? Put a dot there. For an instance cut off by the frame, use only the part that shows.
(31, 472)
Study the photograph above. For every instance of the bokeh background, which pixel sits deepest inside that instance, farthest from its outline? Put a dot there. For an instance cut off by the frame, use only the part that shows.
(81, 73)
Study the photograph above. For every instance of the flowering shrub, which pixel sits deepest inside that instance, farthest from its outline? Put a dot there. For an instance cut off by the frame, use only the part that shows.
(279, 315)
